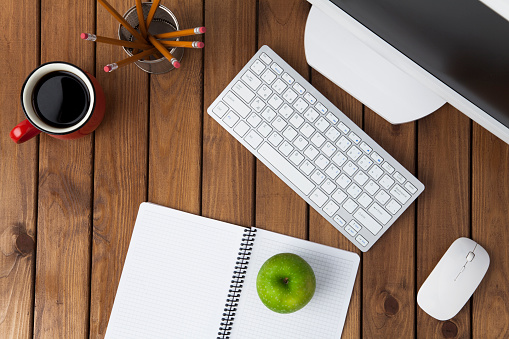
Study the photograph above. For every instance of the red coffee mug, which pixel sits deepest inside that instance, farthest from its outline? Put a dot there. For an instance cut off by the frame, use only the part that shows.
(33, 125)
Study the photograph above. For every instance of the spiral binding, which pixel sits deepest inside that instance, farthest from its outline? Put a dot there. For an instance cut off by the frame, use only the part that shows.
(239, 274)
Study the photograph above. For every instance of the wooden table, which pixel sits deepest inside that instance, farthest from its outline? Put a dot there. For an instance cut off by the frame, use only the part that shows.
(68, 207)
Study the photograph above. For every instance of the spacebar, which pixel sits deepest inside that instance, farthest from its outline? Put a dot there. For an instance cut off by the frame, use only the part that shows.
(286, 168)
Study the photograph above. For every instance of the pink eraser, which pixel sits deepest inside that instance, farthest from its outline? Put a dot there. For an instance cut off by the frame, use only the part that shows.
(107, 68)
(176, 64)
(84, 35)
(200, 44)
(203, 30)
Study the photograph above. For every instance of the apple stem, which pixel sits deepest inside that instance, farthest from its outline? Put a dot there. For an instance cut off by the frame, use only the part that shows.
(285, 280)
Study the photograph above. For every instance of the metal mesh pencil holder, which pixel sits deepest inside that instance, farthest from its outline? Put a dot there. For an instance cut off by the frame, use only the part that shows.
(164, 21)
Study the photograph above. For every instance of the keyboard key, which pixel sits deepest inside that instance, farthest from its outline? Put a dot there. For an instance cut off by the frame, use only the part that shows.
(279, 86)
(311, 152)
(399, 177)
(300, 142)
(311, 115)
(257, 67)
(268, 114)
(318, 197)
(268, 76)
(307, 167)
(379, 213)
(311, 99)
(264, 92)
(393, 206)
(354, 137)
(241, 128)
(286, 77)
(366, 148)
(339, 196)
(330, 208)
(399, 193)
(411, 188)
(328, 186)
(251, 80)
(386, 181)
(332, 171)
(265, 58)
(275, 139)
(332, 118)
(276, 68)
(286, 148)
(387, 167)
(332, 134)
(371, 187)
(367, 221)
(350, 168)
(340, 221)
(220, 109)
(364, 162)
(354, 153)
(361, 178)
(264, 129)
(339, 159)
(355, 225)
(298, 88)
(307, 130)
(290, 95)
(244, 92)
(286, 111)
(318, 140)
(361, 240)
(350, 230)
(258, 104)
(285, 168)
(275, 101)
(322, 161)
(322, 124)
(254, 139)
(321, 108)
(300, 105)
(328, 149)
(231, 119)
(296, 120)
(254, 119)
(296, 158)
(350, 206)
(375, 172)
(279, 123)
(382, 197)
(290, 133)
(343, 180)
(343, 128)
(378, 159)
(318, 177)
(343, 143)
(365, 200)
(354, 190)
(236, 103)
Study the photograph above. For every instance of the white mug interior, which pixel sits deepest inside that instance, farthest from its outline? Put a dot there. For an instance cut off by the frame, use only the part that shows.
(33, 79)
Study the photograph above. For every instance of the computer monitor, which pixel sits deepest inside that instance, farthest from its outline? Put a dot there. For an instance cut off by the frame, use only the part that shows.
(404, 59)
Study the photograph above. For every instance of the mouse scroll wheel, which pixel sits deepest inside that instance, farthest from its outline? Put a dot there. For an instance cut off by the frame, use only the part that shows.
(470, 256)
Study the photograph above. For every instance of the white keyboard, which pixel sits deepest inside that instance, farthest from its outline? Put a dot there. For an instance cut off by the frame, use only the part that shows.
(315, 149)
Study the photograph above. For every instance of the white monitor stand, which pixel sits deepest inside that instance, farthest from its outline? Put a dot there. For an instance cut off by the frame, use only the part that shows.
(333, 50)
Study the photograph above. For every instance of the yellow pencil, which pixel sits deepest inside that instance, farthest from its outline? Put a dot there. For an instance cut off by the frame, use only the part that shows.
(184, 32)
(153, 9)
(122, 21)
(127, 61)
(164, 51)
(185, 44)
(124, 43)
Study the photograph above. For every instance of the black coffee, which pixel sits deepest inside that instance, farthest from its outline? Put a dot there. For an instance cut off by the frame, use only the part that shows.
(60, 99)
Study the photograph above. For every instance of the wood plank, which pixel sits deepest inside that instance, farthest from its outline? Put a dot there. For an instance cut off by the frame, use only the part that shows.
(322, 231)
(388, 267)
(65, 167)
(176, 110)
(278, 207)
(228, 168)
(18, 183)
(120, 169)
(490, 215)
(443, 213)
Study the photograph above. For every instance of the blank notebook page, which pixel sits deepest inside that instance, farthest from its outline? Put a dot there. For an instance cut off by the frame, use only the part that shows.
(176, 276)
(324, 316)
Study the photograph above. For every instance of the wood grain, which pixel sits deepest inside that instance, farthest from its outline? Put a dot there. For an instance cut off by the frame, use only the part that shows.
(65, 182)
(228, 168)
(18, 182)
(120, 169)
(176, 110)
(322, 231)
(490, 221)
(443, 215)
(388, 267)
(278, 207)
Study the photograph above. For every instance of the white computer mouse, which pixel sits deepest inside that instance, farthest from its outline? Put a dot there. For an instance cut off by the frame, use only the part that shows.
(455, 278)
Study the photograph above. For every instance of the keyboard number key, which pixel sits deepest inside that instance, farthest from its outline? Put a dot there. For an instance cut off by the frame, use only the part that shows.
(290, 95)
(279, 86)
(366, 148)
(321, 108)
(298, 88)
(257, 67)
(322, 124)
(343, 143)
(289, 80)
(378, 159)
(300, 105)
(268, 76)
(354, 137)
(311, 99)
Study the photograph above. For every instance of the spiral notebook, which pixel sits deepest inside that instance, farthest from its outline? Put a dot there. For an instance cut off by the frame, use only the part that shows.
(186, 276)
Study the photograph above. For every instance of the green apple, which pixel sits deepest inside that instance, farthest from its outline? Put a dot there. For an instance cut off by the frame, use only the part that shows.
(285, 283)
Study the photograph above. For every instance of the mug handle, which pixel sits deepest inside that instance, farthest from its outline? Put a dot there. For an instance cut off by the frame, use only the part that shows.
(23, 131)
